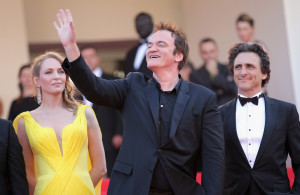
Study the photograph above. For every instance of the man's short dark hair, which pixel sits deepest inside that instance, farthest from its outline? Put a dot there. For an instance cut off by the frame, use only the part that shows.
(143, 14)
(254, 48)
(207, 40)
(180, 42)
(245, 18)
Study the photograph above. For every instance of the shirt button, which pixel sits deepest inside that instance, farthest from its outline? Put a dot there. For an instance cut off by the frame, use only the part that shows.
(249, 129)
(161, 106)
(250, 160)
(249, 115)
(249, 144)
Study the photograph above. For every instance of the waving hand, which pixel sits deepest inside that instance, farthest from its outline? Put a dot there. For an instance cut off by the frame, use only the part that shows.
(66, 32)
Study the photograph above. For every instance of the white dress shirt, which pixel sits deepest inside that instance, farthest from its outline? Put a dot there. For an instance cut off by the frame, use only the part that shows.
(250, 125)
(140, 54)
(98, 72)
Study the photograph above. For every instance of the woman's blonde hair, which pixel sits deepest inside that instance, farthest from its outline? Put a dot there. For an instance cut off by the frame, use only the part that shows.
(68, 98)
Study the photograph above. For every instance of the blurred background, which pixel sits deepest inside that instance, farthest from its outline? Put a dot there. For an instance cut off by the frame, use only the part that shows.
(109, 26)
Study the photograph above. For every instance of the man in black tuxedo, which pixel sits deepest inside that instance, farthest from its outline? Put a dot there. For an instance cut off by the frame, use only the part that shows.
(214, 75)
(109, 119)
(259, 131)
(12, 167)
(135, 60)
(167, 121)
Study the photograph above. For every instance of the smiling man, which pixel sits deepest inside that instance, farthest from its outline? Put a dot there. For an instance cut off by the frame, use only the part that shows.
(168, 122)
(259, 131)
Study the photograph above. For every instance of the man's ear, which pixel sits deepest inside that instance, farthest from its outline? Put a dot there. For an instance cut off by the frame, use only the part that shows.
(36, 81)
(178, 57)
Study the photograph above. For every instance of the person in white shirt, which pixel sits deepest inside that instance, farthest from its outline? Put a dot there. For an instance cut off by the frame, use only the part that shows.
(135, 60)
(259, 131)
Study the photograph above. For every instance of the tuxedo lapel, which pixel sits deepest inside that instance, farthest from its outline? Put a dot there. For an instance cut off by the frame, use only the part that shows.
(231, 126)
(181, 101)
(152, 96)
(271, 113)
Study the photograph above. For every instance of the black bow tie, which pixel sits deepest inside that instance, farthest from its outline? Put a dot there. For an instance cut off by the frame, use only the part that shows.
(254, 100)
(142, 41)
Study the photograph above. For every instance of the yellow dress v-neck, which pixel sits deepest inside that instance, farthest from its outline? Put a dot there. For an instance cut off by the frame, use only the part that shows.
(60, 171)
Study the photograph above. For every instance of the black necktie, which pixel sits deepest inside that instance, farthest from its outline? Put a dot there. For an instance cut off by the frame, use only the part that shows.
(254, 100)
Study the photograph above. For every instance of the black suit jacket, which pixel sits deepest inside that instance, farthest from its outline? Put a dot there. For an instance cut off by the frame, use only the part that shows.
(12, 167)
(195, 127)
(110, 122)
(281, 137)
(129, 61)
(222, 84)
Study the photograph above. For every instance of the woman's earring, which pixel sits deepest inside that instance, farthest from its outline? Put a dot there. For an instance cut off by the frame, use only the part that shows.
(38, 96)
(66, 94)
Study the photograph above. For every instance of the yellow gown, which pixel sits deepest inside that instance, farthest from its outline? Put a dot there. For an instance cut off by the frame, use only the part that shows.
(58, 174)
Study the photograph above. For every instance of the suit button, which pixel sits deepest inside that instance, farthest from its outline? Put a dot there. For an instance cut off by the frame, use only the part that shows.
(150, 171)
(159, 150)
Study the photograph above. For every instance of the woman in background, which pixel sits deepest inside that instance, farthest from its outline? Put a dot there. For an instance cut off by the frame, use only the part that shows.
(25, 101)
(62, 136)
(245, 29)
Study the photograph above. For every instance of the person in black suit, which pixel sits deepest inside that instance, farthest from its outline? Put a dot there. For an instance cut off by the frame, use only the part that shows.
(167, 121)
(109, 119)
(259, 131)
(135, 60)
(12, 167)
(213, 74)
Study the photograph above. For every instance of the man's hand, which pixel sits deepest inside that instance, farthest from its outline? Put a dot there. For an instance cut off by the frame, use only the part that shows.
(212, 68)
(66, 33)
(117, 141)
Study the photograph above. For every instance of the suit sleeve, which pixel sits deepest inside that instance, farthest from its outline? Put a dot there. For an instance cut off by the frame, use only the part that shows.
(16, 166)
(111, 93)
(294, 147)
(213, 153)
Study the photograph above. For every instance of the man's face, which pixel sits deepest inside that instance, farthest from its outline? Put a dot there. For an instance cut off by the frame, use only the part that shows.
(245, 31)
(160, 52)
(247, 73)
(144, 26)
(91, 58)
(208, 52)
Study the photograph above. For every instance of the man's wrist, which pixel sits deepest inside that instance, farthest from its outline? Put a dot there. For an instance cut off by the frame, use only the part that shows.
(72, 51)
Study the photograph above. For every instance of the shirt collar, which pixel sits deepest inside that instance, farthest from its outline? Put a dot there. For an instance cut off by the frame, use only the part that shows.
(147, 39)
(252, 96)
(98, 72)
(174, 90)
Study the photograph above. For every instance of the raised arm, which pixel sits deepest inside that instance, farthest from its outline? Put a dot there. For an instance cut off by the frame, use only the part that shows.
(66, 33)
(97, 90)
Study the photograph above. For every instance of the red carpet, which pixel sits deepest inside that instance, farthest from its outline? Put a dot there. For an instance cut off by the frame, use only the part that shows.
(105, 182)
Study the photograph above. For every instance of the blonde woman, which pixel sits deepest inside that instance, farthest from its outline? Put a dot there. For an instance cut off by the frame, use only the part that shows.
(61, 136)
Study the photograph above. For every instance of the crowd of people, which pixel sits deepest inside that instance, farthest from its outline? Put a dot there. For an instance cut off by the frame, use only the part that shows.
(151, 131)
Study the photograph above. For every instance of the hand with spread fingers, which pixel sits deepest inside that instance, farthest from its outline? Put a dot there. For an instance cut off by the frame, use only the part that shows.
(66, 33)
